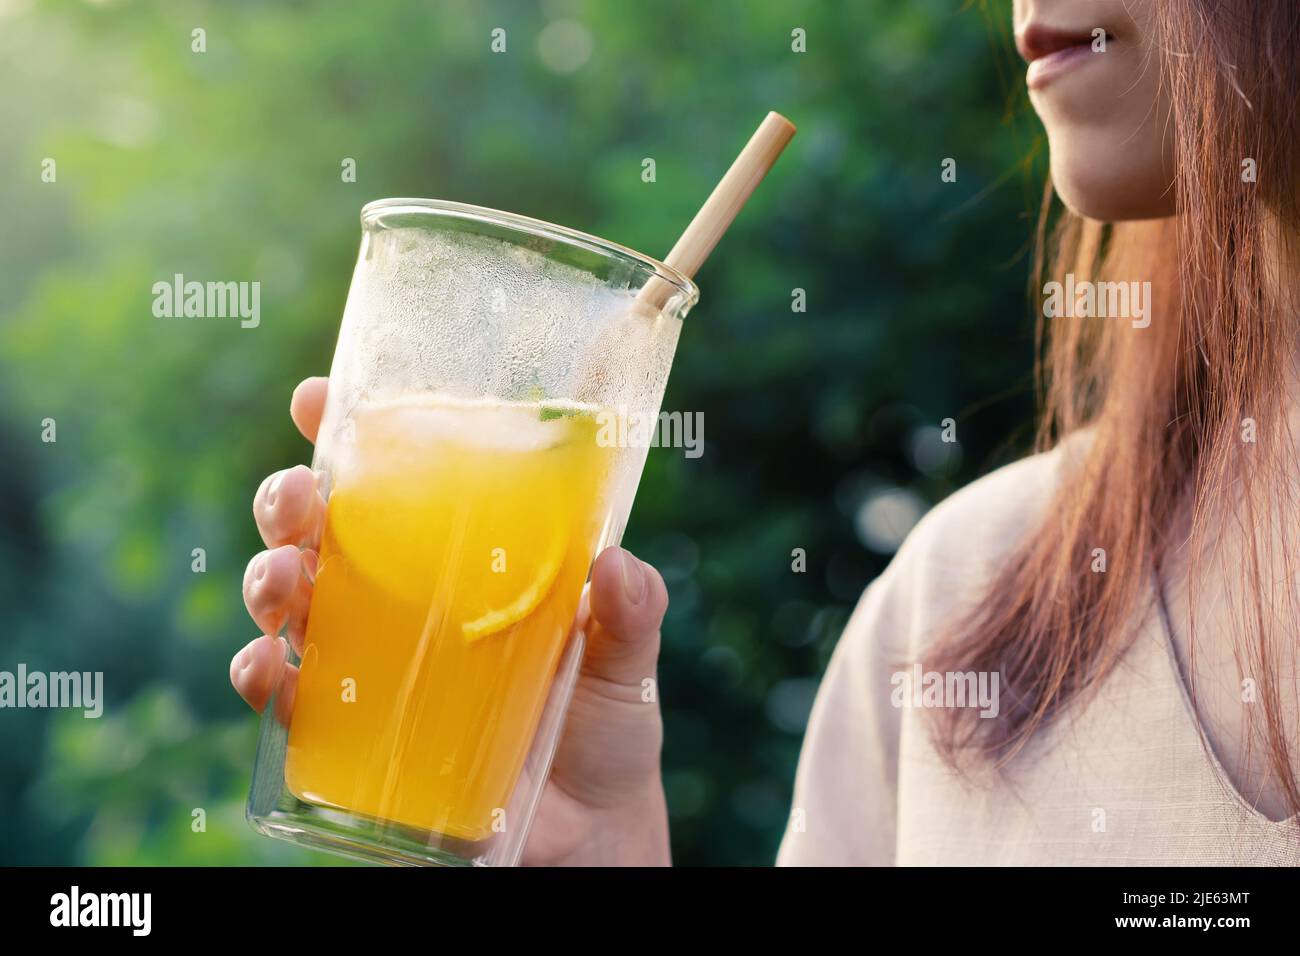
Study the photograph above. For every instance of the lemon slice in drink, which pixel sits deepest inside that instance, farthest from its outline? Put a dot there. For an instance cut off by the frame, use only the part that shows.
(505, 611)
(488, 574)
(464, 508)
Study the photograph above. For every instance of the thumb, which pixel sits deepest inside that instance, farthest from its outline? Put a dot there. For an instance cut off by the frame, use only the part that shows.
(628, 600)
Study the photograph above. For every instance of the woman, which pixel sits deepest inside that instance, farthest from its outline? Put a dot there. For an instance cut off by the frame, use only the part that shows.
(1120, 607)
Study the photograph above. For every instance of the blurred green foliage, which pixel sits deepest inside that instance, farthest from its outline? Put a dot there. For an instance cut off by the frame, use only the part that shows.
(226, 164)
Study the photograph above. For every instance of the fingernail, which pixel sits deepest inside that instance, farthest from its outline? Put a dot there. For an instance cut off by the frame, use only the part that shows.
(259, 569)
(310, 564)
(275, 486)
(245, 658)
(633, 578)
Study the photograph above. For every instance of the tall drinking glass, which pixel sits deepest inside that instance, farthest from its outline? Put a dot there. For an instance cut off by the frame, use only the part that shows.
(472, 461)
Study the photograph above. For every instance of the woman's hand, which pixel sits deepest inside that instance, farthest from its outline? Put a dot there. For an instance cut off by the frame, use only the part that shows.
(604, 802)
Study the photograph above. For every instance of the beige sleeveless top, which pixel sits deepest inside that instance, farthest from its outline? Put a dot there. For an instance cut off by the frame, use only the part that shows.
(1122, 780)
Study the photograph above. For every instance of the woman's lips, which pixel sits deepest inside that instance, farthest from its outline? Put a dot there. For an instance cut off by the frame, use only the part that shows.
(1051, 53)
(1047, 68)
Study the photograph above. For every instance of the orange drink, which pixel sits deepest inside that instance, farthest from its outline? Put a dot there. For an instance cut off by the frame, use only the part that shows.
(458, 536)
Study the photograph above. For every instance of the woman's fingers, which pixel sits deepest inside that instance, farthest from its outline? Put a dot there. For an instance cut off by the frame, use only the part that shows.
(259, 670)
(277, 591)
(628, 599)
(288, 508)
(277, 584)
(308, 404)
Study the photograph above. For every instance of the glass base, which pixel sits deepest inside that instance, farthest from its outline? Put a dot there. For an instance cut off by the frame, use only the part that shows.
(274, 810)
(346, 835)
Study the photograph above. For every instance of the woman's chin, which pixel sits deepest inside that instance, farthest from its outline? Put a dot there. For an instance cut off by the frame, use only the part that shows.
(1114, 198)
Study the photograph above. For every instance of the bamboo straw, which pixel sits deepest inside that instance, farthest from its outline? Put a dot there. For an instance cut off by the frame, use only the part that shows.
(718, 211)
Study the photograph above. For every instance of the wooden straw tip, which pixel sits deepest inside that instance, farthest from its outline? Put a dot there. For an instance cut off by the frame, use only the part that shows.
(775, 119)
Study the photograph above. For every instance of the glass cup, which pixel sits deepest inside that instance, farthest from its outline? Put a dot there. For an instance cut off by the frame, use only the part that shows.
(472, 461)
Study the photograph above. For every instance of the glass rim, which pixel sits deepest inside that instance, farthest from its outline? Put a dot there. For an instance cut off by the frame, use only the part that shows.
(371, 211)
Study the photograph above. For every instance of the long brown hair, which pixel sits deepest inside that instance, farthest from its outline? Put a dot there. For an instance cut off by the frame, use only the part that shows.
(1166, 407)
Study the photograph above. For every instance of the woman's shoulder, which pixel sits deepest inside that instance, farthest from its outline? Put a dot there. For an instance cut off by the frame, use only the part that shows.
(995, 511)
(849, 767)
(950, 558)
